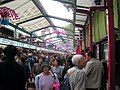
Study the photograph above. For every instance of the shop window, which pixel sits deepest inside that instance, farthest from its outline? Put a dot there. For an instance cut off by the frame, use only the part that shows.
(104, 52)
(118, 13)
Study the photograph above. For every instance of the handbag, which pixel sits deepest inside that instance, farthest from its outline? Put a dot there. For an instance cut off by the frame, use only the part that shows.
(55, 85)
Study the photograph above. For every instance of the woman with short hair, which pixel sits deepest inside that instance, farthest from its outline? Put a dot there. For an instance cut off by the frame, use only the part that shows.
(45, 80)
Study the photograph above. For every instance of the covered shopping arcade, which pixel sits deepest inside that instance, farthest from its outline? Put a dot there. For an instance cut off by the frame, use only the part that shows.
(91, 25)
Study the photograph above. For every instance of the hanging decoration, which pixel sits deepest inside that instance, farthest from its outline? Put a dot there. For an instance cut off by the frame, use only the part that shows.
(6, 14)
(47, 29)
(58, 36)
(49, 41)
(63, 33)
(50, 44)
(59, 47)
(67, 45)
(58, 33)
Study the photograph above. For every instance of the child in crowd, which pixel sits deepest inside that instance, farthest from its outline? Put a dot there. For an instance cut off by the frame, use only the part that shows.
(31, 86)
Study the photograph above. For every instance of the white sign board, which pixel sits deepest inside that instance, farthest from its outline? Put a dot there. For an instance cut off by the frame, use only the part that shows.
(5, 41)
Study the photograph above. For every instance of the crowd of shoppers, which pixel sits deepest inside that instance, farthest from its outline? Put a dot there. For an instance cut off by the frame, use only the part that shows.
(23, 69)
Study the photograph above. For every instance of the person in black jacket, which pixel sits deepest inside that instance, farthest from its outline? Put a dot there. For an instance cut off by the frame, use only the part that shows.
(25, 68)
(68, 65)
(11, 73)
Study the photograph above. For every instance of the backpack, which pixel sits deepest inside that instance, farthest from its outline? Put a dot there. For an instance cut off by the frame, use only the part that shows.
(37, 81)
(31, 62)
(65, 84)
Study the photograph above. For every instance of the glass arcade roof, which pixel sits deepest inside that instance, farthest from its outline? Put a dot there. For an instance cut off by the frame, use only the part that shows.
(35, 18)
